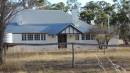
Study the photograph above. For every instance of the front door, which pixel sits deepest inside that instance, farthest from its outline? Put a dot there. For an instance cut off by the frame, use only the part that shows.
(62, 41)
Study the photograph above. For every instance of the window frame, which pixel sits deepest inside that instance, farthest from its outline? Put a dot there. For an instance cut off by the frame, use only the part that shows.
(37, 37)
(87, 37)
(30, 37)
(33, 36)
(24, 37)
(43, 36)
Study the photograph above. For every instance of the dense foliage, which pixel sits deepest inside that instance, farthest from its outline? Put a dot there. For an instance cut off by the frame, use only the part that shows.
(106, 16)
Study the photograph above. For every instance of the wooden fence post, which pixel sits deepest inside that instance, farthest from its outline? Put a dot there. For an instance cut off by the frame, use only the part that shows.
(73, 56)
(104, 50)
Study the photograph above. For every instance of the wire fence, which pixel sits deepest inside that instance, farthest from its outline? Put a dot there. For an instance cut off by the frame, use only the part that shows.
(82, 44)
(57, 46)
(73, 50)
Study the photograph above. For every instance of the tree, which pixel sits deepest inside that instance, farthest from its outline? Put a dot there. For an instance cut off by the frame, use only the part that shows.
(99, 12)
(122, 19)
(59, 6)
(89, 12)
(40, 4)
(87, 16)
(7, 10)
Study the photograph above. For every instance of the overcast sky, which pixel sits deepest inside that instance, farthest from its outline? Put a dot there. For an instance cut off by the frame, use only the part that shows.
(83, 2)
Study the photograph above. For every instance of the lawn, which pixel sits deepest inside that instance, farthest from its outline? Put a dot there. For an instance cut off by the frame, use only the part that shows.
(61, 62)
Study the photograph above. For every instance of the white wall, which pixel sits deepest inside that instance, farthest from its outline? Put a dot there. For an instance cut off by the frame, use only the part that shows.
(17, 38)
(114, 41)
(70, 30)
(72, 39)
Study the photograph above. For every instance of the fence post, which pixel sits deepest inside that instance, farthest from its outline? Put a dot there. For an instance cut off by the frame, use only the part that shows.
(73, 56)
(104, 51)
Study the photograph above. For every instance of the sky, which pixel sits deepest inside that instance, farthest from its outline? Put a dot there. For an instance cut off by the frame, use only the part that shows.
(83, 2)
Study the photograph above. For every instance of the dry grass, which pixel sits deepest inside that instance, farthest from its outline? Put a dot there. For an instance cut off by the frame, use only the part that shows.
(60, 62)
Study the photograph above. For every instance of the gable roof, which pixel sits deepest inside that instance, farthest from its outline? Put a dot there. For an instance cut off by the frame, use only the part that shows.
(56, 28)
(69, 31)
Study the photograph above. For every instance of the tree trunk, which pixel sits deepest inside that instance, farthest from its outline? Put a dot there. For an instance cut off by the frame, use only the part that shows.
(1, 47)
(100, 45)
(1, 55)
(126, 42)
(106, 44)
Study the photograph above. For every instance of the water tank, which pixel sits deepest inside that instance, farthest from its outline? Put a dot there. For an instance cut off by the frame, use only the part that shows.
(8, 38)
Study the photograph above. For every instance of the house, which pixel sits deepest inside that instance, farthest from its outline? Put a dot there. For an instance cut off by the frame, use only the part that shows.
(50, 26)
(43, 26)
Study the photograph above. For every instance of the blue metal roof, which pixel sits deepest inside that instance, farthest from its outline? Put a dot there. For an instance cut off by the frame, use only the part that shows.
(46, 28)
(82, 26)
(56, 28)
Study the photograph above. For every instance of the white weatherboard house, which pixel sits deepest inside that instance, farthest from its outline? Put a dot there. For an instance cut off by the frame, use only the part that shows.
(51, 26)
(48, 26)
(42, 27)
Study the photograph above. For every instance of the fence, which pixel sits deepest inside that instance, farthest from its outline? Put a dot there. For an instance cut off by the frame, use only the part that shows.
(70, 44)
(86, 44)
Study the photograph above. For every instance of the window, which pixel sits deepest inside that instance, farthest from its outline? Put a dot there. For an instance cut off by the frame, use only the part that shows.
(30, 36)
(92, 37)
(83, 37)
(88, 37)
(24, 37)
(37, 36)
(76, 37)
(43, 37)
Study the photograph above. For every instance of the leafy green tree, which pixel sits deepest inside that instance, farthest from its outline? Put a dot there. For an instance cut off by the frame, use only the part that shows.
(89, 12)
(59, 6)
(87, 16)
(122, 19)
(43, 4)
(99, 12)
(40, 4)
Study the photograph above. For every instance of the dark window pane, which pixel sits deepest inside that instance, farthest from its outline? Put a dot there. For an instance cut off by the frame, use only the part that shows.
(30, 36)
(87, 36)
(24, 37)
(83, 38)
(43, 37)
(37, 36)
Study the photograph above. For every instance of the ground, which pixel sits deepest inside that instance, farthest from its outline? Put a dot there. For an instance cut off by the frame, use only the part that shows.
(88, 61)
